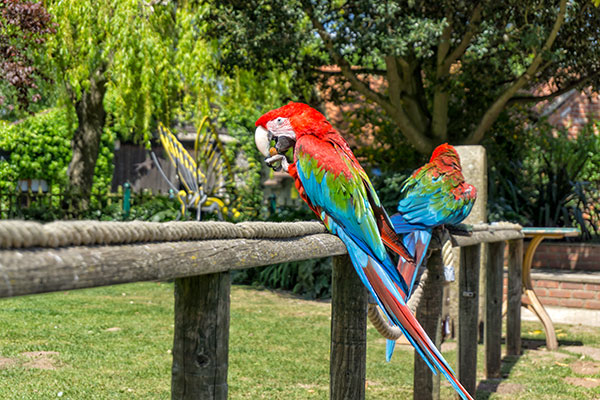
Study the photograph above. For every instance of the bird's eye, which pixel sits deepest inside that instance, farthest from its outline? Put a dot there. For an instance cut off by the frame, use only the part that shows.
(279, 120)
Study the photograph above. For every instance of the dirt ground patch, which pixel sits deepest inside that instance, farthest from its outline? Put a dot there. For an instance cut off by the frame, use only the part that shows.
(583, 382)
(6, 362)
(593, 352)
(545, 356)
(497, 386)
(41, 359)
(585, 367)
(32, 359)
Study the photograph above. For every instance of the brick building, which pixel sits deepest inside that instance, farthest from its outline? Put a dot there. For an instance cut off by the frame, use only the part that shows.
(571, 110)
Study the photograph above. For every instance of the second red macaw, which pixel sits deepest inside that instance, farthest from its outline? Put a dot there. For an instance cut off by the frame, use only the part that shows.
(334, 185)
(435, 194)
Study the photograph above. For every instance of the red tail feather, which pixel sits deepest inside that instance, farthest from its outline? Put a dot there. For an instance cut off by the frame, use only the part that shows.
(404, 317)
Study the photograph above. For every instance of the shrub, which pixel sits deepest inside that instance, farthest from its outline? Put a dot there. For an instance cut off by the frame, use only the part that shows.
(310, 278)
(539, 176)
(39, 147)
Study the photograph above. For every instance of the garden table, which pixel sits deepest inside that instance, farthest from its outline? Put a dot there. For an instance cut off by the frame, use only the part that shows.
(533, 304)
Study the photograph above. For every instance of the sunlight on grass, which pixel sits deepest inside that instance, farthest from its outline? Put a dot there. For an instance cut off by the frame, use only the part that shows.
(114, 343)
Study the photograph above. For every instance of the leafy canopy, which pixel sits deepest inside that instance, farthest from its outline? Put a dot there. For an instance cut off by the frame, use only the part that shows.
(159, 66)
(126, 41)
(440, 71)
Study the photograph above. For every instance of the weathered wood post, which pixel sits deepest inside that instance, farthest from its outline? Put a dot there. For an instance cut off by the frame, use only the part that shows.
(514, 293)
(348, 332)
(493, 309)
(426, 385)
(468, 306)
(473, 160)
(201, 342)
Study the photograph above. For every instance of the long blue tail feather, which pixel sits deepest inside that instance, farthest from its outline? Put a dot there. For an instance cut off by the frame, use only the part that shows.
(423, 345)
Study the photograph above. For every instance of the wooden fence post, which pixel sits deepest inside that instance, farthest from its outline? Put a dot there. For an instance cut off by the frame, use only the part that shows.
(348, 332)
(514, 293)
(468, 307)
(493, 309)
(201, 342)
(426, 385)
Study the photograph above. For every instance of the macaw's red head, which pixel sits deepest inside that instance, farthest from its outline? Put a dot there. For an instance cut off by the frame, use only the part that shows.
(285, 125)
(446, 155)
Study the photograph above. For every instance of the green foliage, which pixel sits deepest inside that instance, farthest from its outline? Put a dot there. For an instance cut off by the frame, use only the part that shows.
(388, 187)
(40, 148)
(310, 278)
(245, 98)
(297, 212)
(144, 207)
(126, 41)
(539, 176)
(159, 67)
(375, 138)
(24, 26)
(438, 71)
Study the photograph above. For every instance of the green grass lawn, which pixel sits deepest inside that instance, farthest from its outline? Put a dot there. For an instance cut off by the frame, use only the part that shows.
(114, 342)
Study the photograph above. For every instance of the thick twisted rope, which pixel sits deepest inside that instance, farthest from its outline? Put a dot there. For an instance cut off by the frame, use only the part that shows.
(392, 332)
(25, 234)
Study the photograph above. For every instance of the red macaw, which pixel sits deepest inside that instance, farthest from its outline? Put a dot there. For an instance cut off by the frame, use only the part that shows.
(334, 185)
(435, 194)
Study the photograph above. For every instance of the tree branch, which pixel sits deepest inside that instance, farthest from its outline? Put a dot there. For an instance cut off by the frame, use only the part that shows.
(490, 116)
(465, 41)
(360, 70)
(439, 117)
(403, 89)
(343, 64)
(394, 80)
(410, 131)
(565, 89)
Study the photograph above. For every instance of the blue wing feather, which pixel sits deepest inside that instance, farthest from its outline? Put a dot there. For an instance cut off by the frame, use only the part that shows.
(351, 218)
(354, 215)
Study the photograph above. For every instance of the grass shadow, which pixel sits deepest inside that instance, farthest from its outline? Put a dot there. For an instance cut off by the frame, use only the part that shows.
(486, 387)
(534, 344)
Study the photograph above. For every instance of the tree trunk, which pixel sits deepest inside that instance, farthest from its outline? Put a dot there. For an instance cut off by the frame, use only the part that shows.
(86, 140)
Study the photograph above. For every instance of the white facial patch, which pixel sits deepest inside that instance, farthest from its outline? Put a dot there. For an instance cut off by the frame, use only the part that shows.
(281, 127)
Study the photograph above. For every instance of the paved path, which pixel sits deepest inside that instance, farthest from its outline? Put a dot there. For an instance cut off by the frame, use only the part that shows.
(566, 315)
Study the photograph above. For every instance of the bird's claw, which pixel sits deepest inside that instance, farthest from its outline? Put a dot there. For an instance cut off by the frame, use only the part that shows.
(284, 164)
(460, 229)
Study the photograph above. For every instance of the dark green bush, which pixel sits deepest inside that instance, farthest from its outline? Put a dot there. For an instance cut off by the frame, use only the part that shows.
(539, 176)
(310, 278)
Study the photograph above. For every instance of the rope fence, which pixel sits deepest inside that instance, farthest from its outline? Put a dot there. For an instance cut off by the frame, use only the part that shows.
(27, 234)
(16, 234)
(67, 255)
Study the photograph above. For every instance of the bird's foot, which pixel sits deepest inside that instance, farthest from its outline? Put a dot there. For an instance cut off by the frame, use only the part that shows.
(460, 229)
(278, 159)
